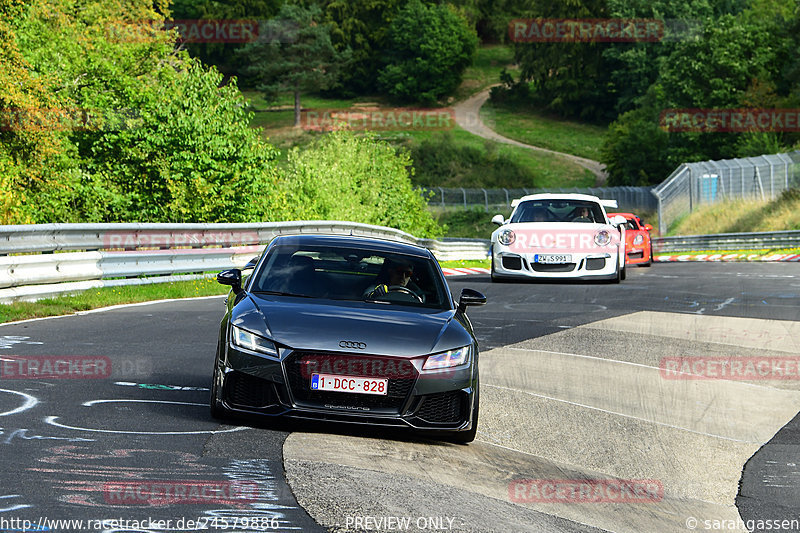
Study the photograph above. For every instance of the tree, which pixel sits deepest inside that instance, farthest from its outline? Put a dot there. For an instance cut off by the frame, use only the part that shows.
(568, 78)
(361, 26)
(737, 60)
(299, 57)
(347, 177)
(126, 129)
(428, 49)
(223, 55)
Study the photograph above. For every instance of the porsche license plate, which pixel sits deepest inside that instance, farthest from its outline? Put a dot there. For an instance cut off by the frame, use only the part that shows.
(330, 382)
(552, 259)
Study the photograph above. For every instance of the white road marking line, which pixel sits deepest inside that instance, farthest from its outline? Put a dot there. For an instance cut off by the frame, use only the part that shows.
(623, 415)
(596, 358)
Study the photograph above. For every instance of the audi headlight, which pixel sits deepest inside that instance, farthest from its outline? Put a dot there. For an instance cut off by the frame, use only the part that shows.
(506, 237)
(639, 239)
(602, 238)
(447, 359)
(250, 341)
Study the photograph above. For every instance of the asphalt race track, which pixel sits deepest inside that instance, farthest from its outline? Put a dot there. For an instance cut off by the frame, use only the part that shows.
(575, 385)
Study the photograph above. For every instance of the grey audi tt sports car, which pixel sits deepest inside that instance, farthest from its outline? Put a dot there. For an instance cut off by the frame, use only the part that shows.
(351, 329)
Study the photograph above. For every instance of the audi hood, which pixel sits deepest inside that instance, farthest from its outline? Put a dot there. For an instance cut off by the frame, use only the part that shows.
(308, 324)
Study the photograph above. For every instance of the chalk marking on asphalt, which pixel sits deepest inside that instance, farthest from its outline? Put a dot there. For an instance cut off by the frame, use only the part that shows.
(723, 304)
(127, 400)
(624, 415)
(13, 507)
(52, 421)
(30, 401)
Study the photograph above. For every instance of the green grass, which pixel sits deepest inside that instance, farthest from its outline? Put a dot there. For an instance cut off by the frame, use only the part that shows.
(467, 263)
(280, 114)
(528, 126)
(494, 165)
(104, 297)
(738, 216)
(485, 70)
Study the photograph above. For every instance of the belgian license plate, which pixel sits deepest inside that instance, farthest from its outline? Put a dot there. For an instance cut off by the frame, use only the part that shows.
(552, 258)
(330, 382)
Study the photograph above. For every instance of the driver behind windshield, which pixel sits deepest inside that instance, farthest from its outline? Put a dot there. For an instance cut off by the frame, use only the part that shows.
(393, 273)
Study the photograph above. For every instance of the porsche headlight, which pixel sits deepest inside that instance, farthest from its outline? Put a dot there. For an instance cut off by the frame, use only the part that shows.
(602, 238)
(447, 359)
(506, 237)
(639, 239)
(250, 341)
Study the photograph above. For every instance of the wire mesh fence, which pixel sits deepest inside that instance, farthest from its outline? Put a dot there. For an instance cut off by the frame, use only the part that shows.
(706, 182)
(628, 198)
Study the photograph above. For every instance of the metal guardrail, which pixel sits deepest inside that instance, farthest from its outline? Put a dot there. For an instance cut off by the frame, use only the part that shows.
(159, 250)
(59, 237)
(120, 254)
(728, 241)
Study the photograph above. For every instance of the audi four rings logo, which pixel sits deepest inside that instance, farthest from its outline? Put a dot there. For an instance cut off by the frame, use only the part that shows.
(353, 345)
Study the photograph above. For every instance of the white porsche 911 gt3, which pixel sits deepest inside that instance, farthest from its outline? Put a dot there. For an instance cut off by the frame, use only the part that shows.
(559, 236)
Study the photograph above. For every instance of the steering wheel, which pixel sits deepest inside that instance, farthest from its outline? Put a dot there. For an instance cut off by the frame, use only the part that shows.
(406, 290)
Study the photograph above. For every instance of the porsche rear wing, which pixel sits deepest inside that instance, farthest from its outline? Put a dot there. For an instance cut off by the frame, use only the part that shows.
(609, 203)
(604, 203)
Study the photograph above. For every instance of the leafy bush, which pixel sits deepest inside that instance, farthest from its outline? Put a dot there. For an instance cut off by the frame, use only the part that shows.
(165, 141)
(443, 162)
(429, 47)
(344, 177)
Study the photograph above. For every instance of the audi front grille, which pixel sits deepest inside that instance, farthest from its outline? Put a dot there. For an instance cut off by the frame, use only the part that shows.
(400, 373)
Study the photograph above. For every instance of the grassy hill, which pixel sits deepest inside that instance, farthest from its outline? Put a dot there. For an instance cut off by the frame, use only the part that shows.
(532, 127)
(735, 216)
(453, 157)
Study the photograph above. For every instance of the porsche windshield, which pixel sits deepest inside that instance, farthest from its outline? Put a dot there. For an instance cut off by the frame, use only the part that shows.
(558, 211)
(343, 273)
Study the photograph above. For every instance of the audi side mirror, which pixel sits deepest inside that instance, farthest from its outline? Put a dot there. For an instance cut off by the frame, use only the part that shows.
(232, 277)
(470, 297)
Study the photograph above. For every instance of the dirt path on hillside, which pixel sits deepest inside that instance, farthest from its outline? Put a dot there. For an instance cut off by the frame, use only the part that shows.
(468, 117)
